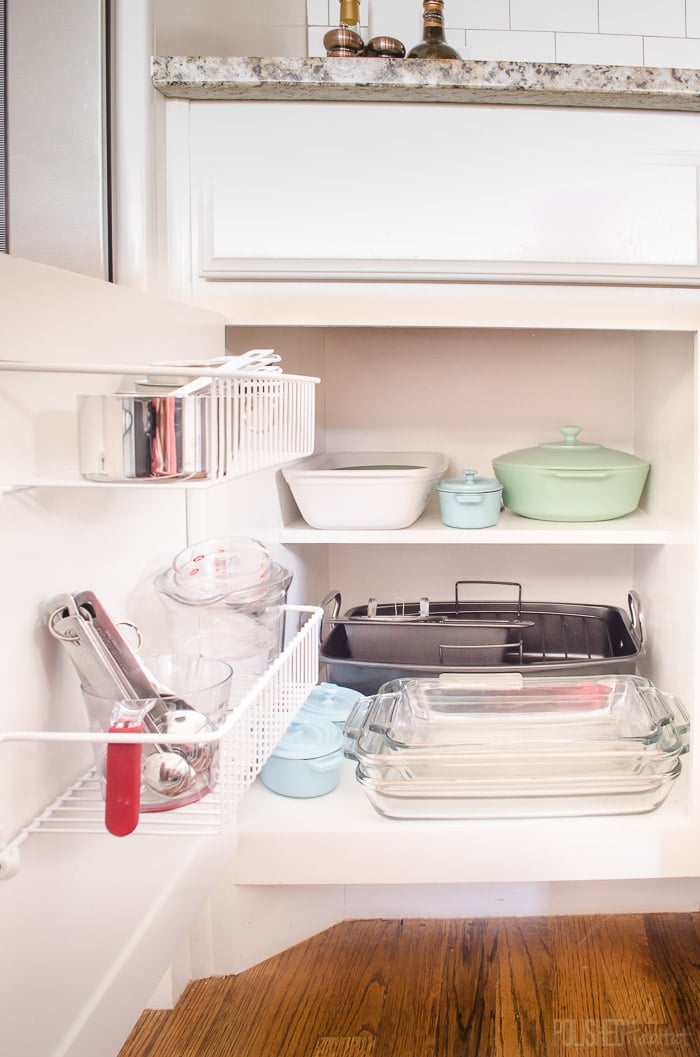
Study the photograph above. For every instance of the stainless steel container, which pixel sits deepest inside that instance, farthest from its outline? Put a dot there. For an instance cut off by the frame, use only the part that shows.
(137, 436)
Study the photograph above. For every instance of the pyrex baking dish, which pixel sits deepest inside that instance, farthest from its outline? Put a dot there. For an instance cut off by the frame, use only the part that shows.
(444, 800)
(381, 759)
(365, 489)
(495, 746)
(455, 713)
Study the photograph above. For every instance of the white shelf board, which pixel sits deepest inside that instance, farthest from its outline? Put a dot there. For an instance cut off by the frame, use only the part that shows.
(70, 481)
(636, 528)
(340, 839)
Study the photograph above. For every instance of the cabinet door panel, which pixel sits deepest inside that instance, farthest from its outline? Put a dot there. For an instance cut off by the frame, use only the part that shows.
(347, 190)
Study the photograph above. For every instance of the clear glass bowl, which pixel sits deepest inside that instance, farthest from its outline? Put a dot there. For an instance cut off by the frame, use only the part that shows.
(212, 569)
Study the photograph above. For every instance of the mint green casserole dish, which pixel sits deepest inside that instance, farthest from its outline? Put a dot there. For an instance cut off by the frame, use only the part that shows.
(570, 480)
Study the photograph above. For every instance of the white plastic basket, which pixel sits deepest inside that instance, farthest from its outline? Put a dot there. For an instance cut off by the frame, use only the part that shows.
(260, 420)
(255, 420)
(247, 738)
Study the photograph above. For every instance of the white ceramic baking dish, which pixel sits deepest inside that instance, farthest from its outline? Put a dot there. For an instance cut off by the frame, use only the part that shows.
(365, 489)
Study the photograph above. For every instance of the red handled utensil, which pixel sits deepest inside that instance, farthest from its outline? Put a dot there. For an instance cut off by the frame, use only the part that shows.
(123, 783)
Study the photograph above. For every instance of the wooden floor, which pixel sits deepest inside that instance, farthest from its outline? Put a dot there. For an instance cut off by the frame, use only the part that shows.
(603, 986)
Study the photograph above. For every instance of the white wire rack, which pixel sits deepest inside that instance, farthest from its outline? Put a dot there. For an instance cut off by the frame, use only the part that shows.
(246, 739)
(258, 421)
(255, 420)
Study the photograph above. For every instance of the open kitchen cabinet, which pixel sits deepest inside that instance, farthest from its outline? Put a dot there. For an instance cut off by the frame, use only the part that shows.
(585, 325)
(475, 393)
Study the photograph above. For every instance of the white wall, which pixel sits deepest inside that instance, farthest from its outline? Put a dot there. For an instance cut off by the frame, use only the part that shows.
(606, 32)
(70, 538)
(230, 27)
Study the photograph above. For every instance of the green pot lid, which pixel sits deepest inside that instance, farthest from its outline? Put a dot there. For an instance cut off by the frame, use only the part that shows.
(470, 483)
(308, 740)
(570, 454)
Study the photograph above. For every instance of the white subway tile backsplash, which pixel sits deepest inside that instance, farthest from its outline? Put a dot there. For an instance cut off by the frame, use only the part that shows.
(591, 32)
(600, 49)
(317, 12)
(669, 51)
(455, 37)
(477, 14)
(510, 47)
(657, 18)
(396, 18)
(402, 18)
(574, 16)
(315, 47)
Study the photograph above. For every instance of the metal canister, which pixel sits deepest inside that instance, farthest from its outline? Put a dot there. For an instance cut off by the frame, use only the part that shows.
(134, 436)
(385, 48)
(343, 42)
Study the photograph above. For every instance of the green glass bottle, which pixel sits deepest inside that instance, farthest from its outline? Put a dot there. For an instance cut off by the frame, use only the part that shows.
(433, 45)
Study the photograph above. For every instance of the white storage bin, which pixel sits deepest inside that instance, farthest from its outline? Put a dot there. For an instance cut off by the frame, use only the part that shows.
(366, 489)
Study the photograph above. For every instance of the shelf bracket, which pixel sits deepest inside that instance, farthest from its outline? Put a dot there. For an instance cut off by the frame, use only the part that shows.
(9, 859)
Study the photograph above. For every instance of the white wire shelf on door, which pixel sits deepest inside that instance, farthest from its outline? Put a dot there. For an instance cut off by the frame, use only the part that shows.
(254, 420)
(246, 739)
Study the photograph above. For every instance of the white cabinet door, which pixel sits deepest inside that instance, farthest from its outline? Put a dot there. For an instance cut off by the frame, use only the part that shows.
(364, 192)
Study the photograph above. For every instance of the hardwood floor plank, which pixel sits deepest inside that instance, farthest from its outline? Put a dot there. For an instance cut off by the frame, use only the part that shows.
(145, 1036)
(185, 1032)
(605, 986)
(414, 997)
(467, 1021)
(524, 1003)
(674, 942)
(606, 993)
(332, 985)
(349, 1046)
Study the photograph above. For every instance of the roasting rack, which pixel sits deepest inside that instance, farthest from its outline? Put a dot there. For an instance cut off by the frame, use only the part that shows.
(372, 644)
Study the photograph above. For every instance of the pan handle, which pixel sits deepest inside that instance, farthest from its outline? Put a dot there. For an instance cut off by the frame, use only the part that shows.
(490, 583)
(330, 601)
(635, 607)
(452, 658)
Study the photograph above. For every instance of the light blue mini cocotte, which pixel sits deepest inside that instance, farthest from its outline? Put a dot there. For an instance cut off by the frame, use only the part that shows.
(470, 501)
(306, 760)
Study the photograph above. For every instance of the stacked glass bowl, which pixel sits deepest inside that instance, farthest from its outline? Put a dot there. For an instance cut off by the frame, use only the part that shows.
(508, 746)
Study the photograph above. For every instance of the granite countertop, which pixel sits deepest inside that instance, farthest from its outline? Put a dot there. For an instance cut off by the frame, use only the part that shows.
(421, 81)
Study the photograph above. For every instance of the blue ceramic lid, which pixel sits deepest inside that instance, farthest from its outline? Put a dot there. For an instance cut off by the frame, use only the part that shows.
(308, 740)
(330, 701)
(470, 483)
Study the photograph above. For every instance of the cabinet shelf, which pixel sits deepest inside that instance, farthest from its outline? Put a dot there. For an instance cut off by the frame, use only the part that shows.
(316, 842)
(636, 528)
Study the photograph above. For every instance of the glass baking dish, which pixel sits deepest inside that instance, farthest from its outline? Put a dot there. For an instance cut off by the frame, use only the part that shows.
(530, 713)
(381, 759)
(519, 799)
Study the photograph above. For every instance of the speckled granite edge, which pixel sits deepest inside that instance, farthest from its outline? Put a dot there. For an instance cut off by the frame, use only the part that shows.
(416, 80)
